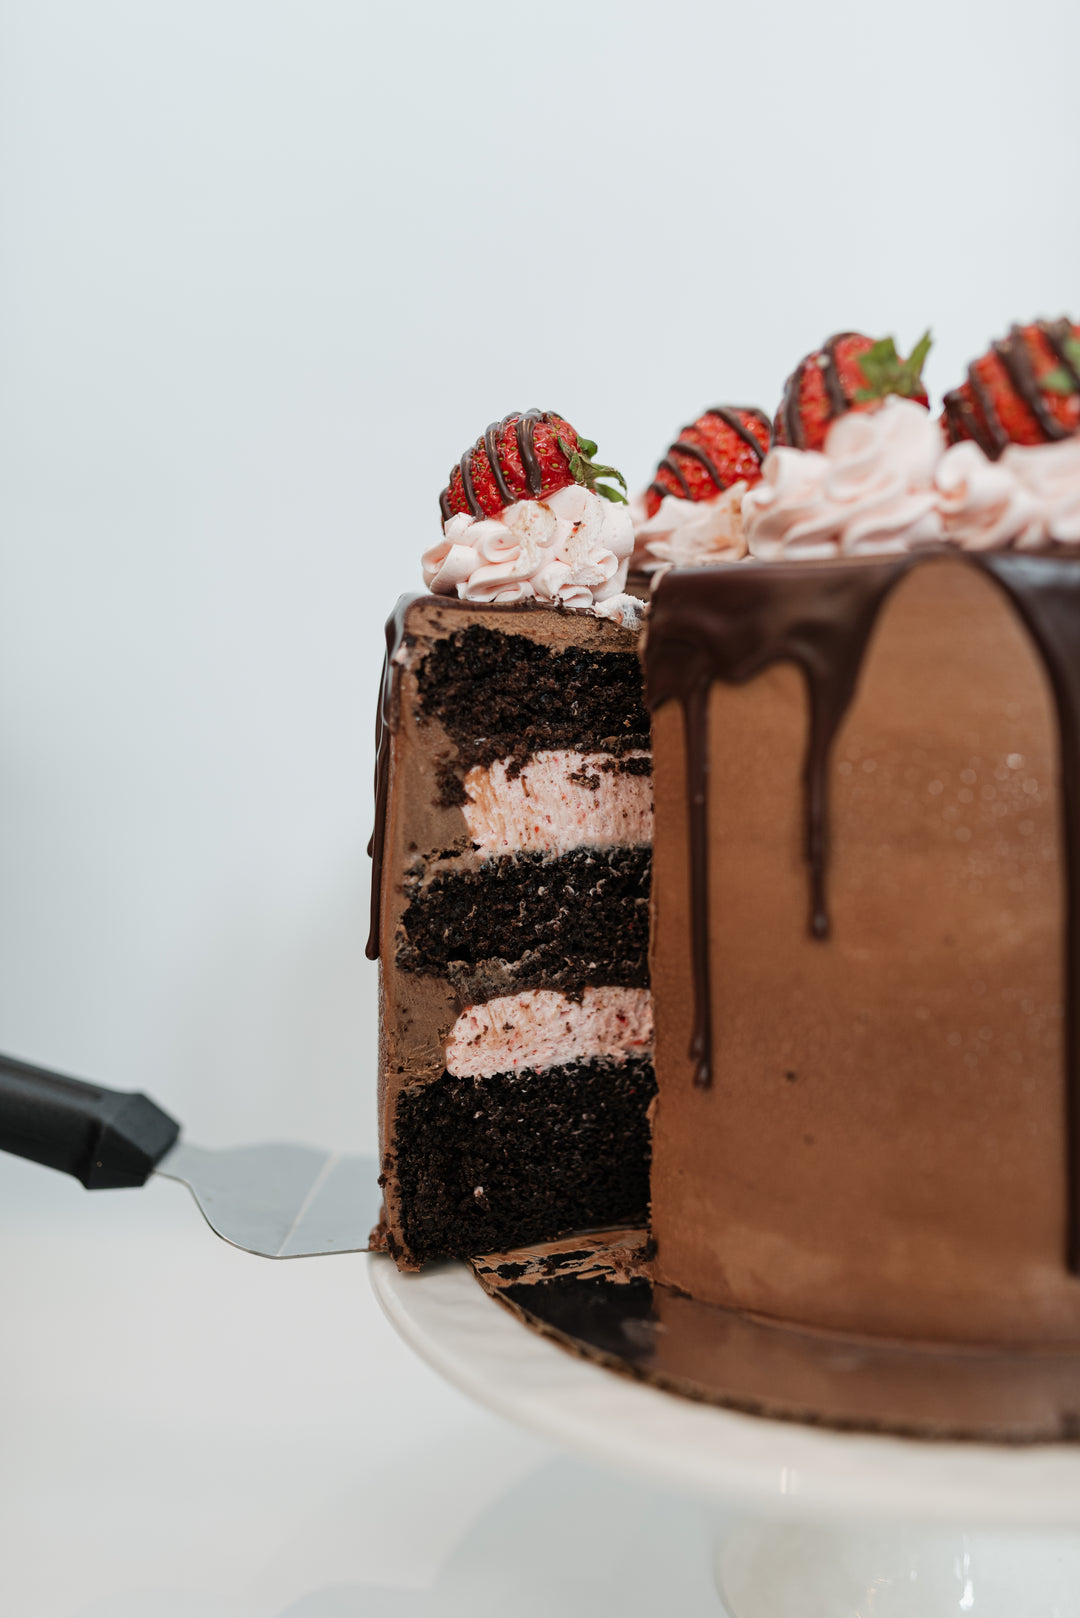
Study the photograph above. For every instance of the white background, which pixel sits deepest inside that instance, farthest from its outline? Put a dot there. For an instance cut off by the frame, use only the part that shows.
(267, 269)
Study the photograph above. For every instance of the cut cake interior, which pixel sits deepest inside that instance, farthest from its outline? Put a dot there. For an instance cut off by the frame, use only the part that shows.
(513, 852)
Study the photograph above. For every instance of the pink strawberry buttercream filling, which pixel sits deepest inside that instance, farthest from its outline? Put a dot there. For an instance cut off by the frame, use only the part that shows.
(542, 1028)
(559, 801)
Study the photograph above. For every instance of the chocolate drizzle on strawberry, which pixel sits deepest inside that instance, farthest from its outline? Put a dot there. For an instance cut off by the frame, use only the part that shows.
(729, 624)
(1012, 351)
(703, 458)
(491, 445)
(1056, 334)
(791, 404)
(986, 410)
(964, 421)
(731, 417)
(526, 443)
(830, 371)
(525, 434)
(475, 508)
(790, 413)
(668, 465)
(975, 409)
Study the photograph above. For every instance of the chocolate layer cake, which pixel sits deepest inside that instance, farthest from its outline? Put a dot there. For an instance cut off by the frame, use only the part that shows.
(511, 918)
(864, 944)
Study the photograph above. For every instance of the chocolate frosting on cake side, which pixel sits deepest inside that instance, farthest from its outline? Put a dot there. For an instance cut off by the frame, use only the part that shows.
(818, 618)
(888, 1144)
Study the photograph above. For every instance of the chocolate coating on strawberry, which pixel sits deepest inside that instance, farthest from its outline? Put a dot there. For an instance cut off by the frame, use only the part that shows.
(526, 456)
(725, 445)
(849, 372)
(1024, 390)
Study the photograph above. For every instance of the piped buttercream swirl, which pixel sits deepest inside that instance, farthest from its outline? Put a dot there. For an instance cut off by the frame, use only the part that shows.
(871, 491)
(886, 482)
(983, 504)
(572, 548)
(689, 533)
(1050, 475)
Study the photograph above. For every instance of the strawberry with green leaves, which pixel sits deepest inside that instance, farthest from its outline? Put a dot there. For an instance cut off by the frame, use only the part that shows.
(1024, 390)
(849, 372)
(526, 456)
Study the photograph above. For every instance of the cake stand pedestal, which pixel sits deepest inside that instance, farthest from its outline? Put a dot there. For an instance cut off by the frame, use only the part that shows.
(817, 1524)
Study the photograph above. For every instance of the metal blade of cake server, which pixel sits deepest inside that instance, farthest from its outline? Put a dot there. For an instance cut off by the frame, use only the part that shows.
(280, 1200)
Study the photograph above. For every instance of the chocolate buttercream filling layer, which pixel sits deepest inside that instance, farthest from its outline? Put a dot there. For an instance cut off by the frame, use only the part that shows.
(729, 623)
(580, 918)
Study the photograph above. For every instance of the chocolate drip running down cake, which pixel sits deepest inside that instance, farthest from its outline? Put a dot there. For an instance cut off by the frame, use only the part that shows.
(867, 1106)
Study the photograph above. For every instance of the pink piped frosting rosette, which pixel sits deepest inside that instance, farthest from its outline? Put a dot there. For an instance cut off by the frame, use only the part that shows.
(886, 482)
(572, 548)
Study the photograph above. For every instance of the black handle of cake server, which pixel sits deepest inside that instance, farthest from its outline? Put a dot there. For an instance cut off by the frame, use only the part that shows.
(105, 1138)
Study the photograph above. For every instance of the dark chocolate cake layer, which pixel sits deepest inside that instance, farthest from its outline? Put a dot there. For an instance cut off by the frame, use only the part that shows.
(580, 918)
(504, 696)
(485, 1163)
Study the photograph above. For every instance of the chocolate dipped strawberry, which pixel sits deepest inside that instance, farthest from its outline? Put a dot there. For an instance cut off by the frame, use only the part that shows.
(1024, 390)
(725, 445)
(527, 456)
(849, 372)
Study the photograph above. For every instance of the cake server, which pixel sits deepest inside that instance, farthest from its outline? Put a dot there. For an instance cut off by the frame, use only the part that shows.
(279, 1200)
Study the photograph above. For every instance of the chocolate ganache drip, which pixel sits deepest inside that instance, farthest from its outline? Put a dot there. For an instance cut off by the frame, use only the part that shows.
(395, 634)
(730, 623)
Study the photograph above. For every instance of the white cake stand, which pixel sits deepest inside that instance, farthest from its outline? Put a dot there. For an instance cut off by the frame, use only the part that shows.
(826, 1524)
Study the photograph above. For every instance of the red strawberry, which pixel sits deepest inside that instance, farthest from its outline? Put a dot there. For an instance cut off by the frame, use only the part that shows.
(725, 445)
(1024, 390)
(526, 456)
(851, 372)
